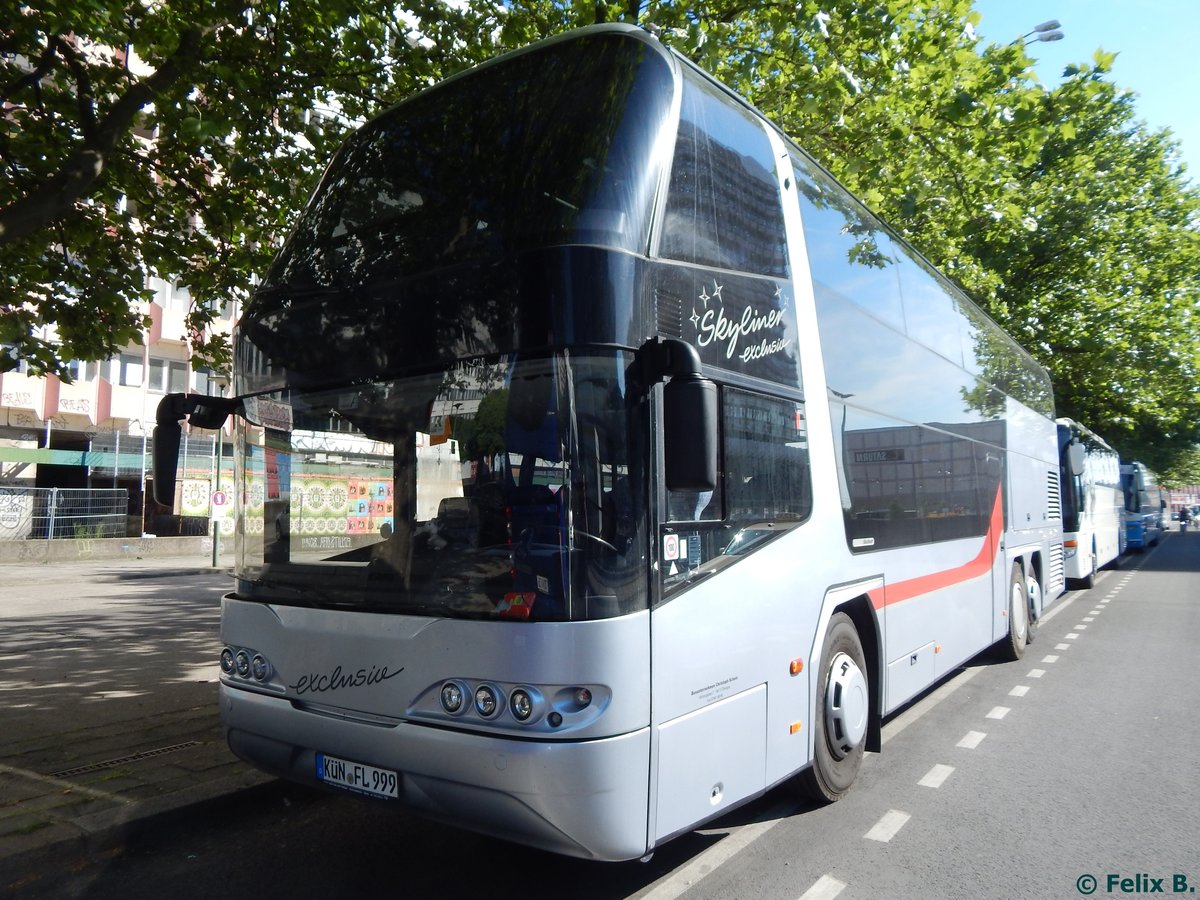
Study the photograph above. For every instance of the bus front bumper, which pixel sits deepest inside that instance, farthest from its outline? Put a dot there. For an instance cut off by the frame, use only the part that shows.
(586, 799)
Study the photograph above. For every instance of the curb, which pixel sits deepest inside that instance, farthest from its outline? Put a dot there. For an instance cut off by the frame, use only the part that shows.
(100, 832)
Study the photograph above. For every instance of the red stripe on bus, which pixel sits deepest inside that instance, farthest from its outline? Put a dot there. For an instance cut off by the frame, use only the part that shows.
(976, 568)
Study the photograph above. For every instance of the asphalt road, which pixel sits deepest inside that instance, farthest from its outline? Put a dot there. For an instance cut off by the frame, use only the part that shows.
(1071, 773)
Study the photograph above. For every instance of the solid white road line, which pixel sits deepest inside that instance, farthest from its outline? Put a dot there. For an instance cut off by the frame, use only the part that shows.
(738, 839)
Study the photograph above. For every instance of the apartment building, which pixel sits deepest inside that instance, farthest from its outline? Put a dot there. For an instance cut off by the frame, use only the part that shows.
(96, 431)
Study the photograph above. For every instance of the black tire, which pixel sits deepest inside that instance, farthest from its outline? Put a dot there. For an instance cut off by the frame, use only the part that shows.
(1089, 581)
(1012, 647)
(840, 732)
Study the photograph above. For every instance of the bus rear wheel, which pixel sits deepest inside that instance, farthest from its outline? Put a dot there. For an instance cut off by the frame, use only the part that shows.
(1013, 646)
(843, 711)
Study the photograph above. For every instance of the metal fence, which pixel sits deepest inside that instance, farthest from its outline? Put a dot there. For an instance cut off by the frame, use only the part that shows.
(40, 513)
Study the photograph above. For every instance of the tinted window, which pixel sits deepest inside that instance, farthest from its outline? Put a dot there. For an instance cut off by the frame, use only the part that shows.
(910, 484)
(551, 147)
(854, 260)
(723, 205)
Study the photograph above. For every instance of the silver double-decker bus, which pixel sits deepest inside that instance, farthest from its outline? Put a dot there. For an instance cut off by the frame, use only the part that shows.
(603, 463)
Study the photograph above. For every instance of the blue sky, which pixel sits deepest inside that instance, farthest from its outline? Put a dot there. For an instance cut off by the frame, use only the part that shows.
(1157, 42)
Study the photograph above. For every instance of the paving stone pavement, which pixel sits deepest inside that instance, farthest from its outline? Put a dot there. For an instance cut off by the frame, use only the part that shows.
(74, 776)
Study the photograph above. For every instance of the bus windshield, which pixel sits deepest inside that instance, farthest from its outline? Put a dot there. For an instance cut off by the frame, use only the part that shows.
(504, 487)
(483, 167)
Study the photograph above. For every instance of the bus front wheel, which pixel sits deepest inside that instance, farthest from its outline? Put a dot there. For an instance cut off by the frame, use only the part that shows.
(843, 711)
(1089, 580)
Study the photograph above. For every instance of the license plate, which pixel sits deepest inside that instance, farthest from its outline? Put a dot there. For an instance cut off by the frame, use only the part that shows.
(357, 776)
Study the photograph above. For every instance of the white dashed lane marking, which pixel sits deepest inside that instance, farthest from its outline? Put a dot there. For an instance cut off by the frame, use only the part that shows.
(885, 829)
(971, 740)
(826, 888)
(936, 776)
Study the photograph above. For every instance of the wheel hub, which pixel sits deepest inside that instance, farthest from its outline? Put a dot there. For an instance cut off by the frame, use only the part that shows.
(846, 705)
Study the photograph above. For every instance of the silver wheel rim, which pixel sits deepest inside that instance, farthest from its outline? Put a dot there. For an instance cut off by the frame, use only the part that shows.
(1019, 613)
(846, 705)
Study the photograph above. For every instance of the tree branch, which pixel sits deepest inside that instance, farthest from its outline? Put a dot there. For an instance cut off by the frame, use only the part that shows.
(55, 198)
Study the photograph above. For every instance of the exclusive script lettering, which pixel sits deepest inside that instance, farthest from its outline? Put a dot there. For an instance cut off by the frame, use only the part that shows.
(319, 683)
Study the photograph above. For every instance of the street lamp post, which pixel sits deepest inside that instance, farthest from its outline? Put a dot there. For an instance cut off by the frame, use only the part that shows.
(1046, 32)
(212, 502)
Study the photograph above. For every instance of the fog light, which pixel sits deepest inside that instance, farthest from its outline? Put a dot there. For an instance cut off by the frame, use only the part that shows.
(521, 705)
(260, 668)
(227, 661)
(486, 701)
(452, 697)
(241, 663)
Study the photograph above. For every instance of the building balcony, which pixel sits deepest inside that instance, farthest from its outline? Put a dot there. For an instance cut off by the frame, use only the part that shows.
(30, 401)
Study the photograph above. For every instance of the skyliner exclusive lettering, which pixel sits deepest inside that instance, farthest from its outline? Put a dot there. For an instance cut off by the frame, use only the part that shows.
(716, 327)
(713, 326)
(337, 679)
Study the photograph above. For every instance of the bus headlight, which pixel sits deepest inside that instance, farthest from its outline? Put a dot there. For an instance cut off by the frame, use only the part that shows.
(241, 663)
(227, 661)
(487, 700)
(521, 705)
(453, 696)
(260, 668)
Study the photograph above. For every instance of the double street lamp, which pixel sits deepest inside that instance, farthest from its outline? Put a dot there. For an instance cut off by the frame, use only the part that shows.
(1046, 32)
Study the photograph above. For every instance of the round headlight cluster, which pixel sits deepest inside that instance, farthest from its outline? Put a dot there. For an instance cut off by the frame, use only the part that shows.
(525, 704)
(487, 700)
(241, 662)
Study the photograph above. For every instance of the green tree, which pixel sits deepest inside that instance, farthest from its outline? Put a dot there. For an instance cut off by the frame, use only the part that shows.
(178, 139)
(482, 435)
(1064, 217)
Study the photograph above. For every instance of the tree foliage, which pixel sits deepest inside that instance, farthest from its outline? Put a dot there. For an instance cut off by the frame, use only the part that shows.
(1066, 218)
(176, 139)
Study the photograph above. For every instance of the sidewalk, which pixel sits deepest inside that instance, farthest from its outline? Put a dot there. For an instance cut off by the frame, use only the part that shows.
(108, 704)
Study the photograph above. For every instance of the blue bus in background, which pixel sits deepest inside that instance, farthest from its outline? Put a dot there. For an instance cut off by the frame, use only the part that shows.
(1145, 506)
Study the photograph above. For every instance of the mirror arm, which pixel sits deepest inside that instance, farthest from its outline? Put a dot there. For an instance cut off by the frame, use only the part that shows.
(199, 410)
(667, 358)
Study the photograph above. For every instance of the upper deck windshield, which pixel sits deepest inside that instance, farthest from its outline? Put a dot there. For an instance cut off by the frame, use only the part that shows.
(550, 147)
(499, 487)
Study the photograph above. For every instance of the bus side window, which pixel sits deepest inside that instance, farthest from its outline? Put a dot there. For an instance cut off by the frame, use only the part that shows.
(765, 489)
(723, 163)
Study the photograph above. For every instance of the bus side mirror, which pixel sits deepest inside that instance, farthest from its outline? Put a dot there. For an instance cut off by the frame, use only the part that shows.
(689, 413)
(1075, 458)
(690, 433)
(166, 462)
